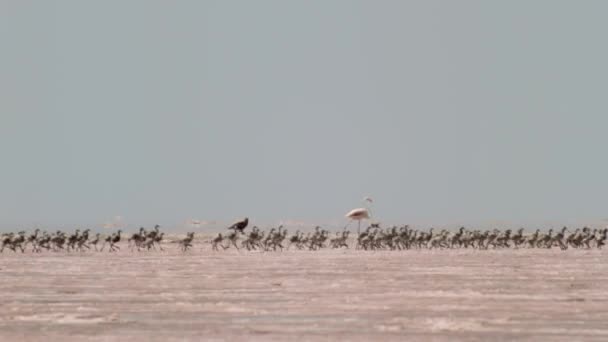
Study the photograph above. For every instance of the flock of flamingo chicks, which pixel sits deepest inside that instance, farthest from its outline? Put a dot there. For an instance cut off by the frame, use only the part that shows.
(278, 239)
(372, 238)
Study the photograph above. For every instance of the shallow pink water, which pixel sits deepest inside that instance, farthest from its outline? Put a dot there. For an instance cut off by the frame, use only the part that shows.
(326, 295)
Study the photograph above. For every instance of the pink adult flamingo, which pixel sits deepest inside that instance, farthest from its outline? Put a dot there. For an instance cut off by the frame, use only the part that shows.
(360, 214)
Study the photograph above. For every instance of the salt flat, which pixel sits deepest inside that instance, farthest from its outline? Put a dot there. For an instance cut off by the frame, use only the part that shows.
(301, 295)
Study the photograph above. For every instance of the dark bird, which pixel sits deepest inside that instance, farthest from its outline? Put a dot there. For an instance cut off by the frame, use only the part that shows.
(240, 226)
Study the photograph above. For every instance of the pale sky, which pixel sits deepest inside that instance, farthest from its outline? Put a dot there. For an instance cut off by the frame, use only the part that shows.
(442, 111)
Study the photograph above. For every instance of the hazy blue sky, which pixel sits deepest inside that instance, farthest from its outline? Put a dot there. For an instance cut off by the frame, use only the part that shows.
(442, 111)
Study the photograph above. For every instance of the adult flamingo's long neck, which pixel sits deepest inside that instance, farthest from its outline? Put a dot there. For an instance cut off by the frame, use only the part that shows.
(367, 204)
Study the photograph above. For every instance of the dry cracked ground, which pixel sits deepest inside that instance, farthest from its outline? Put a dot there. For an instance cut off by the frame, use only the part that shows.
(536, 295)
